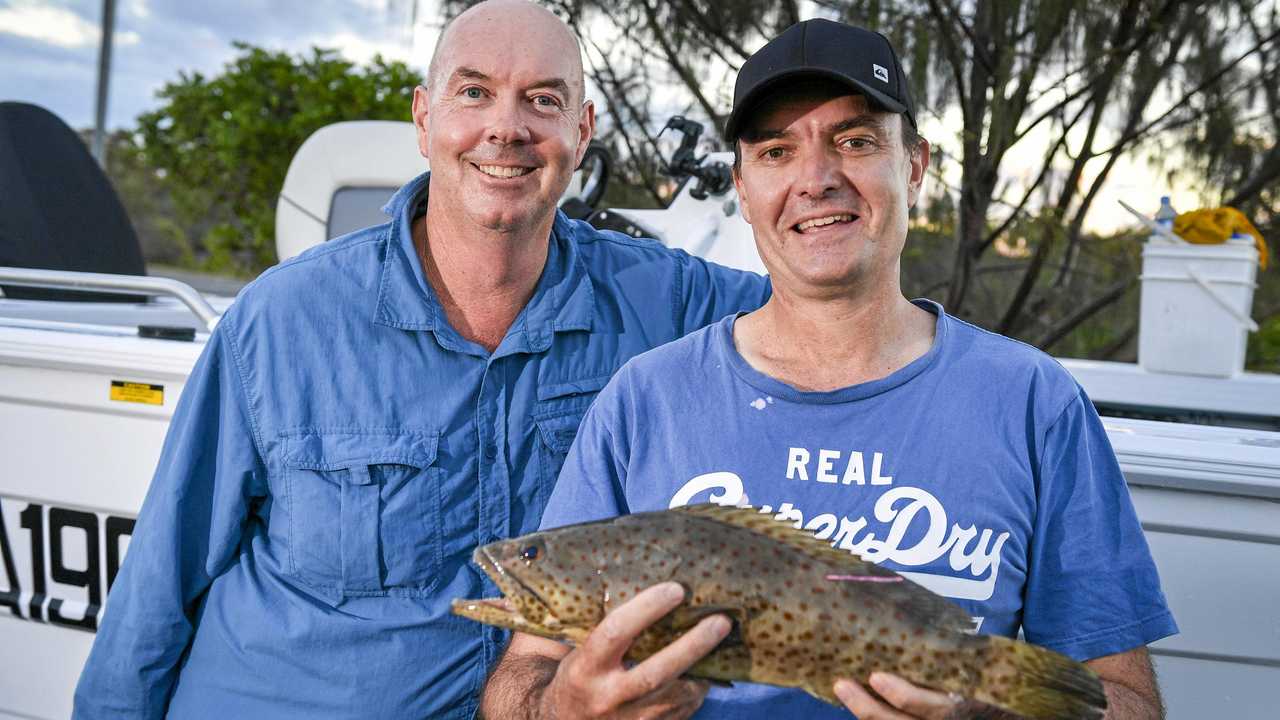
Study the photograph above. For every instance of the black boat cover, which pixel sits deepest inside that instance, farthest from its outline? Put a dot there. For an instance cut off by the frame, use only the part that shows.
(58, 210)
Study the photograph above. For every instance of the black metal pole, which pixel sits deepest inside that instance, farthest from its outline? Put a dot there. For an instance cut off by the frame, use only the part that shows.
(104, 77)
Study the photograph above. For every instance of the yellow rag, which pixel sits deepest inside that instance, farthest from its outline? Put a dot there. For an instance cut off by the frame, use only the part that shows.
(1211, 226)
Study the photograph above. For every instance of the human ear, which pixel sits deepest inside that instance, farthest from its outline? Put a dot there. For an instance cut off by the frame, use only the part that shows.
(420, 111)
(919, 164)
(586, 130)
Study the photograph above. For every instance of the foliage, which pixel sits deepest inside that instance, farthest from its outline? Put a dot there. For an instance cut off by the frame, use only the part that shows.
(1072, 88)
(1264, 347)
(213, 156)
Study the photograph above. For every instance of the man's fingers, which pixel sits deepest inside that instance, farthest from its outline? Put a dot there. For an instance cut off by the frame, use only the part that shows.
(609, 641)
(675, 659)
(912, 699)
(674, 701)
(861, 703)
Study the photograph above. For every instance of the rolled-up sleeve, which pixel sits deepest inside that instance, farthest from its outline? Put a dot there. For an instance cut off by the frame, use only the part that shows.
(708, 292)
(187, 533)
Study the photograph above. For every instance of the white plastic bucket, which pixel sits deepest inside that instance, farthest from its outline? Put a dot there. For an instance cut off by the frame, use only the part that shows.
(1196, 301)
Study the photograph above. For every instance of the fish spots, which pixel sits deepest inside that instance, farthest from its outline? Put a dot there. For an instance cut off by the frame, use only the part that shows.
(762, 572)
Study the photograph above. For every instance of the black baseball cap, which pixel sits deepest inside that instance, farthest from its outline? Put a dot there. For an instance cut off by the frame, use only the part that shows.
(862, 59)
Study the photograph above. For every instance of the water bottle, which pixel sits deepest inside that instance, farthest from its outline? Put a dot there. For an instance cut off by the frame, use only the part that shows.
(1165, 216)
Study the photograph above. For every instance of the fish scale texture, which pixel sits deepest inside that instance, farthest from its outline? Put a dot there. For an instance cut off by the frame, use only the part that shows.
(795, 626)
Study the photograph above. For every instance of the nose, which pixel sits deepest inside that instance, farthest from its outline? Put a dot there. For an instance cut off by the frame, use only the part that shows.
(818, 175)
(508, 125)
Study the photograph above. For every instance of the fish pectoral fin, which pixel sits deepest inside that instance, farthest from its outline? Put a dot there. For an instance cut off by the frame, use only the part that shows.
(685, 617)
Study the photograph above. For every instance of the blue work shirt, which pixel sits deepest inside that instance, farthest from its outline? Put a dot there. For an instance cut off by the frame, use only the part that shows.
(338, 452)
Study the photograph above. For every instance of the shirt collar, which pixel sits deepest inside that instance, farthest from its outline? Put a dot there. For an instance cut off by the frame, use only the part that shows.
(562, 301)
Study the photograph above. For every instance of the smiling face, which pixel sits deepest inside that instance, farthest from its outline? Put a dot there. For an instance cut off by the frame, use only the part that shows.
(826, 184)
(503, 121)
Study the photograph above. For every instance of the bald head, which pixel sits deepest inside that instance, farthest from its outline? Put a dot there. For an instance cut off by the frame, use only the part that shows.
(503, 120)
(506, 24)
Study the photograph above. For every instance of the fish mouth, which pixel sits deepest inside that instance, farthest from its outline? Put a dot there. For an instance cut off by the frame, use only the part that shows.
(504, 611)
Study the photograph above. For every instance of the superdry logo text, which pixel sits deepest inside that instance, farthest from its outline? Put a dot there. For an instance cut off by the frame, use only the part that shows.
(899, 513)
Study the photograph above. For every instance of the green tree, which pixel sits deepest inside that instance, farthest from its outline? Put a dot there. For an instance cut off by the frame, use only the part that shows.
(201, 174)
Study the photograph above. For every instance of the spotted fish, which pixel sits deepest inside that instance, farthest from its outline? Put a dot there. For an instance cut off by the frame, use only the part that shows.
(803, 612)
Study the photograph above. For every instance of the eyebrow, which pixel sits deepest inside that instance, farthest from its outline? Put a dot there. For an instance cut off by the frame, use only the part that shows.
(555, 83)
(873, 122)
(468, 73)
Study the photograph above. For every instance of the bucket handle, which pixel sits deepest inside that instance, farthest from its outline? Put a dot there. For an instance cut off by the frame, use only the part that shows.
(1240, 317)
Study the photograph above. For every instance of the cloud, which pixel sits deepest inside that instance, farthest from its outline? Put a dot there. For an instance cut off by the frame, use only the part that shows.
(57, 26)
(362, 49)
(139, 9)
(49, 48)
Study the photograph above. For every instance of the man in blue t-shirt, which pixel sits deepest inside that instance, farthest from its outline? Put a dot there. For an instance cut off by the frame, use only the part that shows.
(971, 463)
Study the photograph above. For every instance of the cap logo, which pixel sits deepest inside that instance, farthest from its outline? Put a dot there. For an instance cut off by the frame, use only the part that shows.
(880, 72)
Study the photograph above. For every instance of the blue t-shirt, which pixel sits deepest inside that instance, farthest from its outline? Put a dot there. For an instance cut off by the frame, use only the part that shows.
(980, 470)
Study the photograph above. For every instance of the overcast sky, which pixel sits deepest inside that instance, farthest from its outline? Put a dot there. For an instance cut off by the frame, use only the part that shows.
(49, 56)
(49, 48)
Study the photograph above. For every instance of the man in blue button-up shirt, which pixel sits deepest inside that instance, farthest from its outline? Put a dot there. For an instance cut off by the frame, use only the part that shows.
(367, 413)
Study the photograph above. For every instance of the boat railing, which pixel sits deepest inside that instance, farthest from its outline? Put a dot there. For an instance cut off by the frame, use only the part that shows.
(123, 284)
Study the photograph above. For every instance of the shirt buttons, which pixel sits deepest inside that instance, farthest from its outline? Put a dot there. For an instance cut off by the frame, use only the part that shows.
(490, 451)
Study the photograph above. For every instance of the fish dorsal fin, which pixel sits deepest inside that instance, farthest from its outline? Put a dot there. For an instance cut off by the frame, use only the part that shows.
(751, 518)
(910, 597)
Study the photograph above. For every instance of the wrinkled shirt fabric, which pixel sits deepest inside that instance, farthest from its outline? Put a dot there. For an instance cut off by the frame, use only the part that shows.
(336, 455)
(980, 471)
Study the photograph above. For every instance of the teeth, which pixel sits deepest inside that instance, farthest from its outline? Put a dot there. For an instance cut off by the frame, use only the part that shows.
(819, 222)
(504, 172)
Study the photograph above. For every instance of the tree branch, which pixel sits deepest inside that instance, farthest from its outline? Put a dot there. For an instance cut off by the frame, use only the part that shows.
(1088, 310)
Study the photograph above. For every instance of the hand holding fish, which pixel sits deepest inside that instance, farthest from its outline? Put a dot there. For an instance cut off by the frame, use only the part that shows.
(802, 614)
(901, 700)
(593, 682)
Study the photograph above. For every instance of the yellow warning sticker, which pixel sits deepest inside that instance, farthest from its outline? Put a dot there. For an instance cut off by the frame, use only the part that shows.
(122, 391)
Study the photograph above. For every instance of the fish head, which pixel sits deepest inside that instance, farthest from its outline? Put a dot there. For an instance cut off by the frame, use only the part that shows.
(560, 583)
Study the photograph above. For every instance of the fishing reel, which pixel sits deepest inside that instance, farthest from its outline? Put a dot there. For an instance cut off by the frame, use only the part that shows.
(714, 178)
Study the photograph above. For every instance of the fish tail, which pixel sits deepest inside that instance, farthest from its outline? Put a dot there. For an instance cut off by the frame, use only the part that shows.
(1037, 683)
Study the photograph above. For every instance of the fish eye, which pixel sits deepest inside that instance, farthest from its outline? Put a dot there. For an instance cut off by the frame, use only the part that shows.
(529, 554)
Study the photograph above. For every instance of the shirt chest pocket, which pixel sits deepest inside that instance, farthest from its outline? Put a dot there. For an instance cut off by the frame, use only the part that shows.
(364, 511)
(556, 418)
